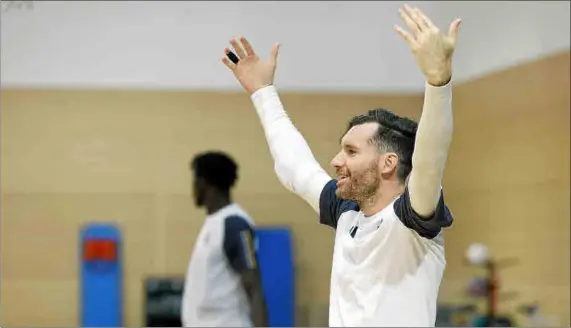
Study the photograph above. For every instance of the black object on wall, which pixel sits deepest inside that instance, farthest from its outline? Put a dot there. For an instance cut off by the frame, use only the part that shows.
(163, 298)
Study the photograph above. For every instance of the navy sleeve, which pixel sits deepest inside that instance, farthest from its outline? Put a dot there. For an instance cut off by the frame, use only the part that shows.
(331, 207)
(426, 227)
(239, 243)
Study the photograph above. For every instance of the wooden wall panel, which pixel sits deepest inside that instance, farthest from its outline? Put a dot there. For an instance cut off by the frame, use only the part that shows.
(510, 161)
(72, 156)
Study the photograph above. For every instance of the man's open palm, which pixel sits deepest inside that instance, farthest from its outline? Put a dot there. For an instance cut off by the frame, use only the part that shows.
(432, 50)
(252, 73)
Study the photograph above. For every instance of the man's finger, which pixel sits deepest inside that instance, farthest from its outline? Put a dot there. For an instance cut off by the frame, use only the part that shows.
(453, 30)
(412, 26)
(405, 35)
(228, 63)
(411, 12)
(274, 53)
(233, 58)
(238, 48)
(247, 46)
(427, 23)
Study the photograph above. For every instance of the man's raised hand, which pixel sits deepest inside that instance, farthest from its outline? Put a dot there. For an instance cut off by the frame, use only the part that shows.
(432, 50)
(252, 72)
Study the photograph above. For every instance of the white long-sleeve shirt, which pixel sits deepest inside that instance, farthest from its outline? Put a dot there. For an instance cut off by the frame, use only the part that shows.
(387, 267)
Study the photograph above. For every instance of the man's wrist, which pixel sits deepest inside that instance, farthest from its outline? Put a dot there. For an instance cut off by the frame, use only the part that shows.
(440, 76)
(439, 81)
(255, 90)
(263, 93)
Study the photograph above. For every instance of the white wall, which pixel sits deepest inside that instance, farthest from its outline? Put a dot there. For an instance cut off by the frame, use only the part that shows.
(500, 34)
(327, 46)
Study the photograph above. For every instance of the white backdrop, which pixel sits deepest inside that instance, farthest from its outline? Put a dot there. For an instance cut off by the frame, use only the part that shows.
(326, 46)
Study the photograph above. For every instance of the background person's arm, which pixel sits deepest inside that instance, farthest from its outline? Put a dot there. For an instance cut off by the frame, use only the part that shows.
(240, 251)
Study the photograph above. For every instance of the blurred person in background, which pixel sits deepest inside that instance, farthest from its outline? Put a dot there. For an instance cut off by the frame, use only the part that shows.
(223, 286)
(386, 204)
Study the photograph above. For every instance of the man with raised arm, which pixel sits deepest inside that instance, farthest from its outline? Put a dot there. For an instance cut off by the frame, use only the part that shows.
(386, 205)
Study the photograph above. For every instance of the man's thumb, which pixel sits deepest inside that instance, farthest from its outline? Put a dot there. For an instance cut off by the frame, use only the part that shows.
(453, 31)
(274, 53)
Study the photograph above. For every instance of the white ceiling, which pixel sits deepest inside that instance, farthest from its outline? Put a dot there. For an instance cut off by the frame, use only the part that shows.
(326, 46)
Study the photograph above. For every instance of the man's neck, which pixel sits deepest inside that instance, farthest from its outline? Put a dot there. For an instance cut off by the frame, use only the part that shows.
(385, 195)
(217, 204)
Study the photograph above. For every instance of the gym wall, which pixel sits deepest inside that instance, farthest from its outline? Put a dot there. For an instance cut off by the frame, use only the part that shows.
(70, 156)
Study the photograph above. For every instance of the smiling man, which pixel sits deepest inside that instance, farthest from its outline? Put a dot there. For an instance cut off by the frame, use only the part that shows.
(386, 204)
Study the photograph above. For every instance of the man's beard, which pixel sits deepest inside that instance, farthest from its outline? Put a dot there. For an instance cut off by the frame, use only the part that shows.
(360, 186)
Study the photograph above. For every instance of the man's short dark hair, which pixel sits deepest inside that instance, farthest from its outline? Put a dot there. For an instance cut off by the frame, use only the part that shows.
(395, 134)
(216, 168)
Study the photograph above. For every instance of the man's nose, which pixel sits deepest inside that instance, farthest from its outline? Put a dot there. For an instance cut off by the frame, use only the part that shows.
(337, 161)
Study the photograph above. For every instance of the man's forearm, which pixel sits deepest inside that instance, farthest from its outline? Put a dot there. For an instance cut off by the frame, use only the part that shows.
(433, 140)
(294, 162)
(259, 308)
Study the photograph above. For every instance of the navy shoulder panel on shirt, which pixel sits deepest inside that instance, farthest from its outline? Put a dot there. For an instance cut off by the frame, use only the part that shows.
(239, 243)
(331, 207)
(425, 227)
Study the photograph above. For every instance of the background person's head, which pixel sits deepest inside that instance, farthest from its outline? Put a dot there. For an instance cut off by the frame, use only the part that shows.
(377, 147)
(215, 173)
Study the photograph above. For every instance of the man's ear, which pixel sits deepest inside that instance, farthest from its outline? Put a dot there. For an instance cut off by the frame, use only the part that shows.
(390, 162)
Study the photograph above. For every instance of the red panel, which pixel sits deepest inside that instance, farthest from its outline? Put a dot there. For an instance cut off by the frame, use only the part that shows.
(100, 249)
